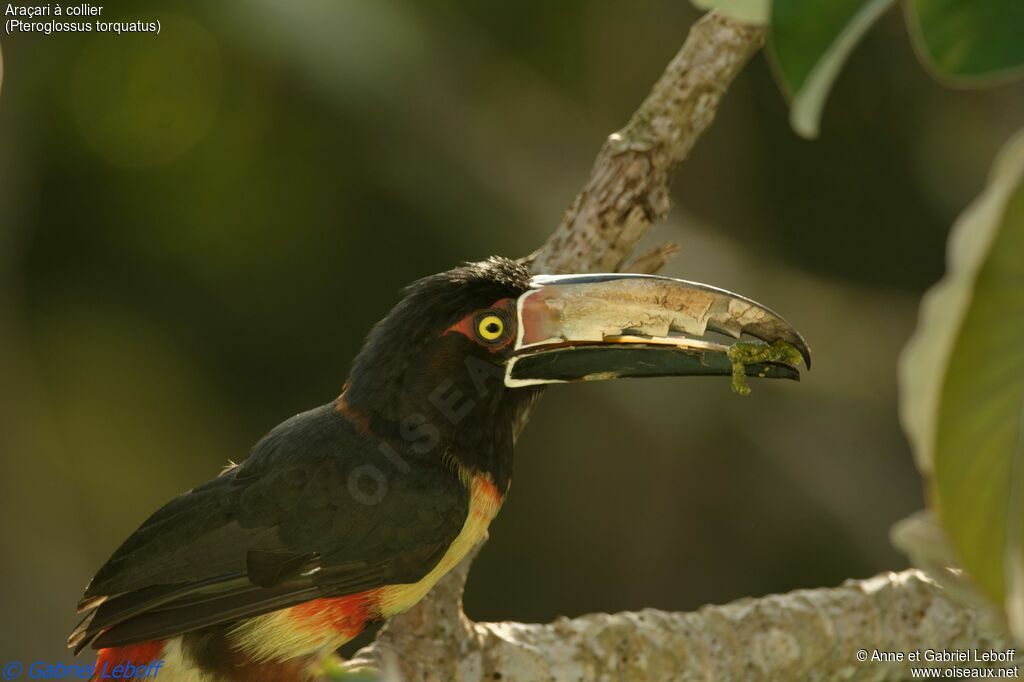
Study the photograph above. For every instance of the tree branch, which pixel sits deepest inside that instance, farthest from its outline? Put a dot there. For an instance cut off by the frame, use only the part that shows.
(809, 634)
(628, 188)
(803, 635)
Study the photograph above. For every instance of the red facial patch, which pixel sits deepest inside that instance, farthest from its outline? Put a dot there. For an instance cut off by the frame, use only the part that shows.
(504, 308)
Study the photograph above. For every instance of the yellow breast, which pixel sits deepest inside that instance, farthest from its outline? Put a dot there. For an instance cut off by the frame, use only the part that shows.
(484, 503)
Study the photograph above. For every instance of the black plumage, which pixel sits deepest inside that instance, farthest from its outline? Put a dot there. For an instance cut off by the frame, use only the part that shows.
(247, 539)
(342, 499)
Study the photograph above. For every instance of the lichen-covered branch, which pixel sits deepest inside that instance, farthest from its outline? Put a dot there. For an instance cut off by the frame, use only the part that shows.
(803, 635)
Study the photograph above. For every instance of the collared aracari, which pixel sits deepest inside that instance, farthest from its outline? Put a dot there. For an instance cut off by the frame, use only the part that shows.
(349, 513)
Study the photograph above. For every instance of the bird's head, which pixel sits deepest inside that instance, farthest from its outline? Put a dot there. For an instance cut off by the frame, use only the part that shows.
(453, 366)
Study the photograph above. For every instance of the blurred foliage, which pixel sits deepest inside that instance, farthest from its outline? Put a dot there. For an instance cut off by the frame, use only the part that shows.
(962, 391)
(167, 297)
(810, 41)
(970, 42)
(963, 41)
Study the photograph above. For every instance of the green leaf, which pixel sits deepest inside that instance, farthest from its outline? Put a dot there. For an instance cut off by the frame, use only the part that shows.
(962, 389)
(969, 40)
(810, 40)
(748, 11)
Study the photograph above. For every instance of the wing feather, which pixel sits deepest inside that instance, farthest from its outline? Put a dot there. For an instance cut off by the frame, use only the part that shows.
(288, 525)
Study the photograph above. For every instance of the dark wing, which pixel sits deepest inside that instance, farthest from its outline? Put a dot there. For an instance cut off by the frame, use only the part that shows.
(316, 511)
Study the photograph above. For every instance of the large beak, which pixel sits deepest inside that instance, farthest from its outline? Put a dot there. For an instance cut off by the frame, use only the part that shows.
(589, 327)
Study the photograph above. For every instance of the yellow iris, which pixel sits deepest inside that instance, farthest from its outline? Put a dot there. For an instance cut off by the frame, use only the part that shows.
(490, 327)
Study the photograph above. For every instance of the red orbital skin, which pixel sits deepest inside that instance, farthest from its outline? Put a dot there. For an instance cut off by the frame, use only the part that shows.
(466, 326)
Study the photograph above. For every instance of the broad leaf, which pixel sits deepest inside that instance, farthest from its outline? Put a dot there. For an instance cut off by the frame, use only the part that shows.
(810, 41)
(748, 11)
(969, 40)
(962, 389)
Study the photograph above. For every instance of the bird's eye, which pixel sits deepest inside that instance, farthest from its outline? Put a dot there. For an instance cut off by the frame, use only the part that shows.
(490, 327)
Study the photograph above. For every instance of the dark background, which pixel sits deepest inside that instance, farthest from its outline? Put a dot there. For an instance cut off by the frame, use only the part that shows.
(198, 228)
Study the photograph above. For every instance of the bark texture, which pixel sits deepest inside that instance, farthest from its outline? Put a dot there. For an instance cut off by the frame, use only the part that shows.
(803, 635)
(628, 189)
